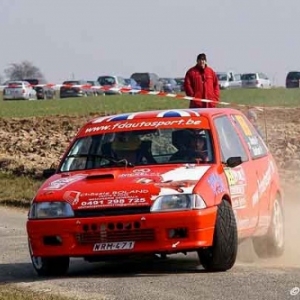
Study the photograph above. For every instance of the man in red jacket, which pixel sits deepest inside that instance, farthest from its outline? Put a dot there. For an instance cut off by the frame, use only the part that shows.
(202, 82)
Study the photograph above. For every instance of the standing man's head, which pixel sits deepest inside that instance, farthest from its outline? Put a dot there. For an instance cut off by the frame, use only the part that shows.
(252, 116)
(201, 60)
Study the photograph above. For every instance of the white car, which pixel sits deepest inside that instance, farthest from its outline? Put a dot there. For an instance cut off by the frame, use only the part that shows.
(229, 80)
(255, 80)
(19, 90)
(114, 83)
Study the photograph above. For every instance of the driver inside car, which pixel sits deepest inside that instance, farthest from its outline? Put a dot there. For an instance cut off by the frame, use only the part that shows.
(126, 146)
(193, 150)
(198, 148)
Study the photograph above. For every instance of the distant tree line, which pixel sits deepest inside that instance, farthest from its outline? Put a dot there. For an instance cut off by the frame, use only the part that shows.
(19, 71)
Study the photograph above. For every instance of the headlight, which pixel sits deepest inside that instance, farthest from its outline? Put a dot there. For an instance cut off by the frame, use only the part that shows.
(178, 202)
(50, 210)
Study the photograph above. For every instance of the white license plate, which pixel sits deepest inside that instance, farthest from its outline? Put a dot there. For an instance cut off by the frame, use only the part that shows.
(113, 246)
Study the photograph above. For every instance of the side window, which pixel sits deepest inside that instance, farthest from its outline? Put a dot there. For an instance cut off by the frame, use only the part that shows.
(229, 140)
(121, 80)
(255, 143)
(237, 77)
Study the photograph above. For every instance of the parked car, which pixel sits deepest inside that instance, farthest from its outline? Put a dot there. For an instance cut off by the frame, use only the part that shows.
(43, 90)
(292, 79)
(96, 87)
(112, 84)
(255, 80)
(132, 84)
(229, 80)
(180, 82)
(75, 88)
(19, 90)
(170, 85)
(159, 182)
(147, 81)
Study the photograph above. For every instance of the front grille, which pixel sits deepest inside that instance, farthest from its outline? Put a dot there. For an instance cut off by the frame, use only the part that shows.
(120, 211)
(115, 236)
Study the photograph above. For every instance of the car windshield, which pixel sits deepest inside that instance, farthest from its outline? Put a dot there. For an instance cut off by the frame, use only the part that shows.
(106, 80)
(32, 81)
(249, 76)
(71, 82)
(140, 77)
(293, 75)
(222, 77)
(139, 147)
(15, 84)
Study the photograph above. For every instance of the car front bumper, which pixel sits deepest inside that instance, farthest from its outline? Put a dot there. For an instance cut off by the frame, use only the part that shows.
(150, 233)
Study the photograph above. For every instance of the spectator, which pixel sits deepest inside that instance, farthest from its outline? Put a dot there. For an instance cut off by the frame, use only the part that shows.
(201, 82)
(252, 117)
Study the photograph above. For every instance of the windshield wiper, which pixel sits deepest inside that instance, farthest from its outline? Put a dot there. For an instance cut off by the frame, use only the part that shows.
(113, 161)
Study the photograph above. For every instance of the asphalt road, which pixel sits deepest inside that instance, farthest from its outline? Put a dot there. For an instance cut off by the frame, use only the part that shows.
(178, 277)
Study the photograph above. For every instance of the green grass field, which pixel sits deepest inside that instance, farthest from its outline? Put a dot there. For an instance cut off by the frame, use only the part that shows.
(129, 103)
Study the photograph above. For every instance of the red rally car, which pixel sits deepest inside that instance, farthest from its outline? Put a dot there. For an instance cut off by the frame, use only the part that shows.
(159, 182)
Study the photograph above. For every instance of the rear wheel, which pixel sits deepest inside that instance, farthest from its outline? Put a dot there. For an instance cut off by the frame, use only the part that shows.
(49, 266)
(221, 256)
(272, 244)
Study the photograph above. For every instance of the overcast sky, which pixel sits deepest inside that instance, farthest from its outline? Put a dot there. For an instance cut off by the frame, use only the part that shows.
(95, 37)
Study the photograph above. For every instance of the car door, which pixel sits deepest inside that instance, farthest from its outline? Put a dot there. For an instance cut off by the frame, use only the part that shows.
(263, 166)
(237, 80)
(241, 179)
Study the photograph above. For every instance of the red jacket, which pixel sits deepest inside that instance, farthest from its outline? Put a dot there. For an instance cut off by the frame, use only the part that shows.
(203, 84)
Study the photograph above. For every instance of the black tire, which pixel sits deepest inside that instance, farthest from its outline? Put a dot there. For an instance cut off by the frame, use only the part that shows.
(273, 243)
(50, 266)
(221, 256)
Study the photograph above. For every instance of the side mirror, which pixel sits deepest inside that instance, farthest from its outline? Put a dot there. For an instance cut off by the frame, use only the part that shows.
(47, 173)
(234, 161)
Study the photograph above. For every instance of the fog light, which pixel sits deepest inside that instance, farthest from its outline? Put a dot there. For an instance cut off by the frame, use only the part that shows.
(177, 233)
(171, 233)
(52, 240)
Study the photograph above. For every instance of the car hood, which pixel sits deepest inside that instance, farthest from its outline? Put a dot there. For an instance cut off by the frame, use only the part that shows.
(137, 186)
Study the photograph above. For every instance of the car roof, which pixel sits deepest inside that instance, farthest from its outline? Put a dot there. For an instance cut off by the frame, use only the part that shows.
(153, 114)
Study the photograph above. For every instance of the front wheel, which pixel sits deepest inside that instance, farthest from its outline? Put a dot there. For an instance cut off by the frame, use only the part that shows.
(50, 266)
(221, 256)
(272, 245)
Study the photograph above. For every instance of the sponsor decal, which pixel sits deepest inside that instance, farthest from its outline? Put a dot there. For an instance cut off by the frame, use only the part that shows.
(63, 182)
(135, 197)
(237, 186)
(235, 176)
(263, 183)
(138, 174)
(141, 171)
(179, 180)
(216, 184)
(246, 129)
(143, 124)
(239, 202)
(72, 197)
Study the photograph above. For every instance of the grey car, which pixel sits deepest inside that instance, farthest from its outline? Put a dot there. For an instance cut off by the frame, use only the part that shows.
(75, 88)
(229, 80)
